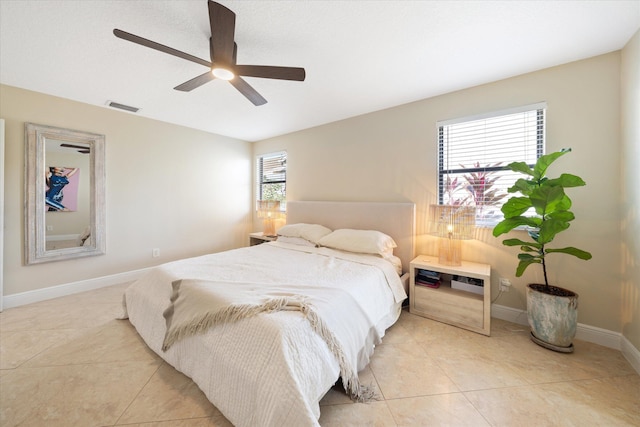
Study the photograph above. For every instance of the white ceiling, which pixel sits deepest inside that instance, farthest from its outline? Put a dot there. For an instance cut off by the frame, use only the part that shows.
(359, 56)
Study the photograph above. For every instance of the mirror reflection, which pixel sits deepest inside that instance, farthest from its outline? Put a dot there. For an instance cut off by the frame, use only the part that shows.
(67, 171)
(64, 194)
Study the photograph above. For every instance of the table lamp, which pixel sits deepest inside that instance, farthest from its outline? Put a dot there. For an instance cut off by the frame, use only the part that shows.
(452, 224)
(269, 211)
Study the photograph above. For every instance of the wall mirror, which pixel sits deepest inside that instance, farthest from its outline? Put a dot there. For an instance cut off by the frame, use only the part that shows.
(65, 186)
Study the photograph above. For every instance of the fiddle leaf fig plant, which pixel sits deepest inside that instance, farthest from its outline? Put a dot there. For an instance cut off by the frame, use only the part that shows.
(548, 199)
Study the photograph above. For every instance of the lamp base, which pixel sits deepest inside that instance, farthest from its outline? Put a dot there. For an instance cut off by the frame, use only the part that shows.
(269, 227)
(450, 252)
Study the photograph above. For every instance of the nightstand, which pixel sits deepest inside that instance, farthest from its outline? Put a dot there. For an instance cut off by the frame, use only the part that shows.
(258, 238)
(457, 307)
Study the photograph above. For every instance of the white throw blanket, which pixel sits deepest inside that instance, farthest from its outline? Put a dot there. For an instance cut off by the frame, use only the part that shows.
(198, 305)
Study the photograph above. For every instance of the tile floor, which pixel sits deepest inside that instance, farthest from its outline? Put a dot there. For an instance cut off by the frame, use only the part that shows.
(69, 362)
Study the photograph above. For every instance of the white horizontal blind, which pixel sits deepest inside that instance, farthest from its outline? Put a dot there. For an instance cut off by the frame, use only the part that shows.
(271, 178)
(474, 152)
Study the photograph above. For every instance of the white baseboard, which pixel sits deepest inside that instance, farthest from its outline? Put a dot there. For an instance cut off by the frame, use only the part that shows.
(584, 332)
(599, 336)
(509, 314)
(37, 295)
(631, 353)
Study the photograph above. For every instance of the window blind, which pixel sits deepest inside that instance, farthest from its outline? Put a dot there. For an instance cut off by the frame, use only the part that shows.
(473, 154)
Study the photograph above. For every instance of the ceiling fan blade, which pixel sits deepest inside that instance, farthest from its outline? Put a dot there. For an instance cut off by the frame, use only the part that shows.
(271, 72)
(223, 25)
(235, 51)
(249, 92)
(82, 147)
(195, 82)
(157, 46)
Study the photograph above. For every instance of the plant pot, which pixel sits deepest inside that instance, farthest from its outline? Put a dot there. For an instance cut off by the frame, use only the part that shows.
(553, 319)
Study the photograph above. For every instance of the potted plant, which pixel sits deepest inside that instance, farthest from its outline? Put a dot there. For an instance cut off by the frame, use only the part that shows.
(552, 311)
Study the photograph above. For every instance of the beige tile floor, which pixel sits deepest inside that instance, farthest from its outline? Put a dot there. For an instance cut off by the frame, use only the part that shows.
(68, 362)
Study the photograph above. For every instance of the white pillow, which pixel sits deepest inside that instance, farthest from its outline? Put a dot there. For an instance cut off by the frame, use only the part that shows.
(310, 232)
(296, 241)
(360, 241)
(397, 263)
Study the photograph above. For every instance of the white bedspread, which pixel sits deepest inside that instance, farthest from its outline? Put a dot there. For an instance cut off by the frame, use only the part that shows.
(272, 369)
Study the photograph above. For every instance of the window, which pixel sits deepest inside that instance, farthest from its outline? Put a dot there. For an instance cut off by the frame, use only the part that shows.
(271, 177)
(473, 153)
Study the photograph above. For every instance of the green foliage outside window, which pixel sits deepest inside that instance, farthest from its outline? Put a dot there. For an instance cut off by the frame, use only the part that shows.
(274, 192)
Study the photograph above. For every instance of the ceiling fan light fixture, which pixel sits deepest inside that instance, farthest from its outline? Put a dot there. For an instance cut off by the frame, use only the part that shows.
(222, 73)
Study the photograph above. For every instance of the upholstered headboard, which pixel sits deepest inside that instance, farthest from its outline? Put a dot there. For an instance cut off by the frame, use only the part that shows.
(395, 219)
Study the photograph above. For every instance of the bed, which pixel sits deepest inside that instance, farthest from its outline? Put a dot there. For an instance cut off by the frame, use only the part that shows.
(271, 368)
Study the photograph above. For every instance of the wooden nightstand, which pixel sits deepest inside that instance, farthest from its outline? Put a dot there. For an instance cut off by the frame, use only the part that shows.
(445, 304)
(259, 237)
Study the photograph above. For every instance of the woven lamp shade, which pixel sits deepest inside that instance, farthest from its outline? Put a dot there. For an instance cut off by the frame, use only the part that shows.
(452, 224)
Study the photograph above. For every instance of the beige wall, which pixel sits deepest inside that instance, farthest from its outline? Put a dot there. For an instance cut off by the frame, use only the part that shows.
(183, 191)
(630, 215)
(390, 155)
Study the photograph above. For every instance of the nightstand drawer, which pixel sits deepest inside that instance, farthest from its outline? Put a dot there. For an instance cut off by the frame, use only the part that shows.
(450, 307)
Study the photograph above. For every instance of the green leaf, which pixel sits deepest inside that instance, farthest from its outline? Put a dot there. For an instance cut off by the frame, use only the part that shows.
(509, 224)
(515, 206)
(567, 180)
(523, 186)
(562, 216)
(545, 199)
(563, 205)
(549, 229)
(523, 264)
(518, 242)
(521, 167)
(540, 168)
(572, 251)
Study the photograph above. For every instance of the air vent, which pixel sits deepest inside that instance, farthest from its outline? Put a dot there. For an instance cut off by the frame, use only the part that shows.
(122, 106)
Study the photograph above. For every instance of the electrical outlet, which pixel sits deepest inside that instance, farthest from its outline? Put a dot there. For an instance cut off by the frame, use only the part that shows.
(155, 253)
(505, 284)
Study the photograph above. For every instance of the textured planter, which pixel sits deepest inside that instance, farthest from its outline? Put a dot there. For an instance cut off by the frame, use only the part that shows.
(553, 319)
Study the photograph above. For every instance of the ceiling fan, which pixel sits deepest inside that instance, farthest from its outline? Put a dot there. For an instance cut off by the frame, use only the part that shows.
(223, 51)
(81, 148)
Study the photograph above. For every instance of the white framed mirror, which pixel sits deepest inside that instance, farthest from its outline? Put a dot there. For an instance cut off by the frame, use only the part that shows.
(64, 194)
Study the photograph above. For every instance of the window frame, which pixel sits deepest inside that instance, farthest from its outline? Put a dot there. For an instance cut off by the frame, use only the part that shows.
(442, 173)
